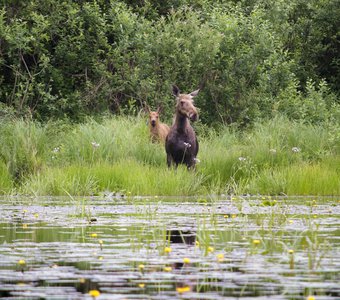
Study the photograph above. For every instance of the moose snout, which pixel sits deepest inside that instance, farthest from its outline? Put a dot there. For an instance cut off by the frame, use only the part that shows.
(153, 123)
(193, 116)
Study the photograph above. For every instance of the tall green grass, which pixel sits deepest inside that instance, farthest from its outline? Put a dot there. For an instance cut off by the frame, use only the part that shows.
(6, 183)
(115, 154)
(127, 176)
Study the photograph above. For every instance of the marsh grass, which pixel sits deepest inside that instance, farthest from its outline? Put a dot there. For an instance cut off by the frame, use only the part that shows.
(127, 176)
(115, 154)
(6, 183)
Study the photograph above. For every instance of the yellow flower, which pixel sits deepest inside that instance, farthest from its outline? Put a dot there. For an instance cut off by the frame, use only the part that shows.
(183, 289)
(94, 293)
(25, 211)
(167, 249)
(94, 235)
(220, 257)
(141, 285)
(256, 242)
(211, 249)
(291, 251)
(226, 216)
(141, 267)
(36, 215)
(82, 280)
(167, 269)
(21, 262)
(310, 298)
(24, 226)
(291, 221)
(233, 216)
(197, 243)
(186, 260)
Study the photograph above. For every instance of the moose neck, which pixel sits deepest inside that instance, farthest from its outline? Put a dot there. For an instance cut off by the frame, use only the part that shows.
(181, 121)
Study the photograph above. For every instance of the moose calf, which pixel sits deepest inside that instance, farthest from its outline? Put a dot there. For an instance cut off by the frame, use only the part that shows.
(158, 130)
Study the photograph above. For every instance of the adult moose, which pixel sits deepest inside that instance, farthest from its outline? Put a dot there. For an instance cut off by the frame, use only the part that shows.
(181, 144)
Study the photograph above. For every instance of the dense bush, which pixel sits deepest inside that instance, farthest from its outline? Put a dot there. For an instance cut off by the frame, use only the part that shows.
(252, 59)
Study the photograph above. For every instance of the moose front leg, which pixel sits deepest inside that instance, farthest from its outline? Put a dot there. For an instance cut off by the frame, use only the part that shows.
(168, 160)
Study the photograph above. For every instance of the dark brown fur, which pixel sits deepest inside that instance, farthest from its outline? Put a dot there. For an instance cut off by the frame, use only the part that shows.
(158, 130)
(181, 144)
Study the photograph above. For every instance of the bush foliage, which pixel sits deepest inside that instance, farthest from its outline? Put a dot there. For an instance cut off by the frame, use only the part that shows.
(252, 59)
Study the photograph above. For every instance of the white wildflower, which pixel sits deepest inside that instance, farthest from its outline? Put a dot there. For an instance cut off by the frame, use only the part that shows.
(187, 145)
(296, 149)
(56, 150)
(273, 151)
(242, 158)
(95, 145)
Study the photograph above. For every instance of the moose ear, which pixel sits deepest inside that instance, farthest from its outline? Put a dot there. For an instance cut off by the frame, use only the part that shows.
(175, 91)
(159, 109)
(194, 93)
(146, 108)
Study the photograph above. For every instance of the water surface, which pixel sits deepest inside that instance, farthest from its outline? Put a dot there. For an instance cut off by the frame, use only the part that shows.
(169, 248)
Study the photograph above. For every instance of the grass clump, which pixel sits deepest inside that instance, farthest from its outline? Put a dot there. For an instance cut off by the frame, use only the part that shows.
(127, 176)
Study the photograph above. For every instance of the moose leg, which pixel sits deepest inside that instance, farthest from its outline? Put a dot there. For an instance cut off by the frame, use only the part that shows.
(168, 160)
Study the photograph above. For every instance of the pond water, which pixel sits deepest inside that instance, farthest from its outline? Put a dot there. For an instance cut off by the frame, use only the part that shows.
(170, 248)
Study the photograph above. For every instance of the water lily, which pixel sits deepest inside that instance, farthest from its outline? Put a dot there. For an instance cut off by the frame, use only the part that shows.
(94, 235)
(141, 267)
(167, 249)
(256, 242)
(186, 260)
(22, 262)
(291, 251)
(211, 249)
(220, 257)
(167, 269)
(141, 285)
(310, 298)
(94, 293)
(183, 289)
